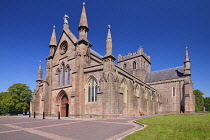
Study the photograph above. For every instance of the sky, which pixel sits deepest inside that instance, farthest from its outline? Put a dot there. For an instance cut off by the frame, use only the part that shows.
(163, 27)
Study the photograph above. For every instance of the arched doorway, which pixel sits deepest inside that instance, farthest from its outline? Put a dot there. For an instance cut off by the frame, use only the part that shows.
(63, 102)
(64, 106)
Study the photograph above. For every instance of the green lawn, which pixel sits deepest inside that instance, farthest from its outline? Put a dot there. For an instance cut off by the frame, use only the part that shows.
(174, 126)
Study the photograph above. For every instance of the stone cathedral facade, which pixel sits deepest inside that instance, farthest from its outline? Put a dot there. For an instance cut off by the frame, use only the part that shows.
(79, 82)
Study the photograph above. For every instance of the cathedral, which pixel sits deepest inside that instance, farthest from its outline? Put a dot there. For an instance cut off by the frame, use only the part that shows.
(80, 82)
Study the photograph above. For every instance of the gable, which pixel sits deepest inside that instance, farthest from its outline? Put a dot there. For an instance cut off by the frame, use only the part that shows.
(70, 49)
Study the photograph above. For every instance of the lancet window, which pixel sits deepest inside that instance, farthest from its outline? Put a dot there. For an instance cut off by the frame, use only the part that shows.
(63, 78)
(59, 75)
(68, 71)
(173, 91)
(134, 65)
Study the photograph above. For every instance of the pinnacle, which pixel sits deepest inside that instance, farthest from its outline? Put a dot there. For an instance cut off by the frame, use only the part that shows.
(53, 38)
(83, 19)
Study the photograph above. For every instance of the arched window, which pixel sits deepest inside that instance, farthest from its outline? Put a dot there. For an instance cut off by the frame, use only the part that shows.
(134, 65)
(63, 78)
(68, 70)
(59, 76)
(92, 89)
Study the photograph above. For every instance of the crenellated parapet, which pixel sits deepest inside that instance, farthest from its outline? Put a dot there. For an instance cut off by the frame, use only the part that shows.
(139, 52)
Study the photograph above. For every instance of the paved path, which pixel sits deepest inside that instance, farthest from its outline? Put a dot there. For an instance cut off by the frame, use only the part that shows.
(16, 128)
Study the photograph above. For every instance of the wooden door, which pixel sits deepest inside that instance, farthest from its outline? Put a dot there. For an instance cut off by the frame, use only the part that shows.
(64, 107)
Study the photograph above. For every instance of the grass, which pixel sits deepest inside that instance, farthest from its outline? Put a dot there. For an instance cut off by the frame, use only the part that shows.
(175, 127)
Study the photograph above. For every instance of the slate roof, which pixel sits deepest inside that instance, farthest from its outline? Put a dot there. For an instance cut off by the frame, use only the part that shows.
(167, 74)
(95, 53)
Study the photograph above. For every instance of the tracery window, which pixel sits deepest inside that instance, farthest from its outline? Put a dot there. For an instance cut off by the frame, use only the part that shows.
(92, 90)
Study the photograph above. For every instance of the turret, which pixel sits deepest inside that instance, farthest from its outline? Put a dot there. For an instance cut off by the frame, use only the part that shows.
(83, 25)
(187, 64)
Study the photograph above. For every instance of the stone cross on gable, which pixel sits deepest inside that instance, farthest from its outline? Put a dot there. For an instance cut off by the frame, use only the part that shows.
(66, 17)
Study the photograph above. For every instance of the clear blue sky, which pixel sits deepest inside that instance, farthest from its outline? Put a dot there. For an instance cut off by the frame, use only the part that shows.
(163, 27)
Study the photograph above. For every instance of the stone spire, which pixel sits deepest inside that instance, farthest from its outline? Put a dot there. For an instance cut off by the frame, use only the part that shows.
(187, 64)
(53, 41)
(83, 24)
(109, 42)
(40, 71)
(53, 44)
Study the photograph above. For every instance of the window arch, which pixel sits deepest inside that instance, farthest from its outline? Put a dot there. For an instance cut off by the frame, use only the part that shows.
(91, 90)
(134, 65)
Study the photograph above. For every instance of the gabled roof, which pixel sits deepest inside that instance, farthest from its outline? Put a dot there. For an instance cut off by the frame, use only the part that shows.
(95, 53)
(166, 74)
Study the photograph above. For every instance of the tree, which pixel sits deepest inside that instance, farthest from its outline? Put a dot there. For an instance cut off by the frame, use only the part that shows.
(16, 100)
(207, 103)
(4, 103)
(199, 100)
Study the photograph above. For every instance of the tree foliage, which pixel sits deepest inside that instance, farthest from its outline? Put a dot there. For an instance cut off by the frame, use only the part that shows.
(16, 100)
(207, 103)
(4, 102)
(199, 100)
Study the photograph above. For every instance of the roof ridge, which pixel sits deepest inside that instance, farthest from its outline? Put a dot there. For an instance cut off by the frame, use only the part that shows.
(167, 69)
